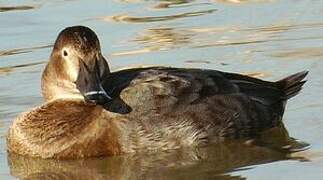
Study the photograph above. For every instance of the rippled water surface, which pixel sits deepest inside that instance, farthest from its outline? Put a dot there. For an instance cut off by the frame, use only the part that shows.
(265, 38)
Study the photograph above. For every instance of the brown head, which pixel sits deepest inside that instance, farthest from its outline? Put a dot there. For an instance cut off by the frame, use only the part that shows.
(76, 67)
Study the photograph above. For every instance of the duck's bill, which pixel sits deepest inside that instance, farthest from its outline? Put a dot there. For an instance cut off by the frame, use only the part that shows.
(98, 97)
(89, 83)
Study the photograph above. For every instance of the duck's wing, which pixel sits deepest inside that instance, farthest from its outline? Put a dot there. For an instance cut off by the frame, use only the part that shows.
(166, 88)
(266, 92)
(208, 82)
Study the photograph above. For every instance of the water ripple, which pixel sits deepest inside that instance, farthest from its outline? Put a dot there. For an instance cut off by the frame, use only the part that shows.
(130, 19)
(242, 1)
(15, 8)
(177, 4)
(253, 35)
(300, 53)
(8, 69)
(22, 50)
(164, 38)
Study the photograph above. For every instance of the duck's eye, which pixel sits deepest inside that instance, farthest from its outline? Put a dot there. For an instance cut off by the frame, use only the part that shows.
(65, 53)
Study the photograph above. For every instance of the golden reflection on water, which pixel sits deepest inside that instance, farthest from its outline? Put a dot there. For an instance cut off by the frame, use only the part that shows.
(300, 53)
(8, 69)
(233, 35)
(178, 3)
(242, 1)
(131, 19)
(159, 39)
(133, 52)
(230, 43)
(170, 2)
(284, 27)
(22, 50)
(165, 38)
(229, 36)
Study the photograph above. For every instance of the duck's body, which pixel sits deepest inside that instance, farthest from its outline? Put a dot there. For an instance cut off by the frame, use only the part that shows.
(156, 108)
(227, 104)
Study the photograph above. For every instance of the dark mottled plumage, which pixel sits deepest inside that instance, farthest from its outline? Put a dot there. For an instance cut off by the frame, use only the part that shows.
(240, 105)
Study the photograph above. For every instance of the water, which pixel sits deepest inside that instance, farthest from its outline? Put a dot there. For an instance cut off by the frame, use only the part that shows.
(265, 38)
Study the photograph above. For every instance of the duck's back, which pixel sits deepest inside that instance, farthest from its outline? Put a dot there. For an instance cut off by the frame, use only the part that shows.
(208, 104)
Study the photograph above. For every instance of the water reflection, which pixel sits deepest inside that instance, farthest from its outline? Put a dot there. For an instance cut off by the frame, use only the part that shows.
(177, 3)
(285, 27)
(300, 53)
(233, 36)
(15, 8)
(242, 1)
(162, 1)
(163, 38)
(130, 19)
(198, 61)
(8, 69)
(22, 50)
(217, 159)
(159, 39)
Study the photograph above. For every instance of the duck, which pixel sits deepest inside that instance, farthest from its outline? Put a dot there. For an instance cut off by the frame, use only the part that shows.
(90, 111)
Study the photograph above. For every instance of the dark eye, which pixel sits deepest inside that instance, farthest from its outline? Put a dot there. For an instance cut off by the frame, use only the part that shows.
(65, 53)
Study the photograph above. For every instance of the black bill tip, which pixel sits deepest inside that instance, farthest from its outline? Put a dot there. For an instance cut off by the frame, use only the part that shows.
(98, 97)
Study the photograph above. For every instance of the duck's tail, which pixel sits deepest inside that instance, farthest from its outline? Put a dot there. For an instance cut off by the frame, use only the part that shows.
(292, 84)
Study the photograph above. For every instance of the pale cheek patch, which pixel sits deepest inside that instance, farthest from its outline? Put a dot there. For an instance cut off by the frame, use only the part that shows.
(72, 68)
(72, 71)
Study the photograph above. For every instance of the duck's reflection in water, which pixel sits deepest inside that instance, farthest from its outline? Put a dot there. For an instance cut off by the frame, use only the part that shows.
(214, 161)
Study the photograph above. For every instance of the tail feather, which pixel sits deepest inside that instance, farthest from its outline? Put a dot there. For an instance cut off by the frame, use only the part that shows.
(292, 85)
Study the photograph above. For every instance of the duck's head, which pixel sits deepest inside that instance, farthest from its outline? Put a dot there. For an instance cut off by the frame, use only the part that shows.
(76, 67)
